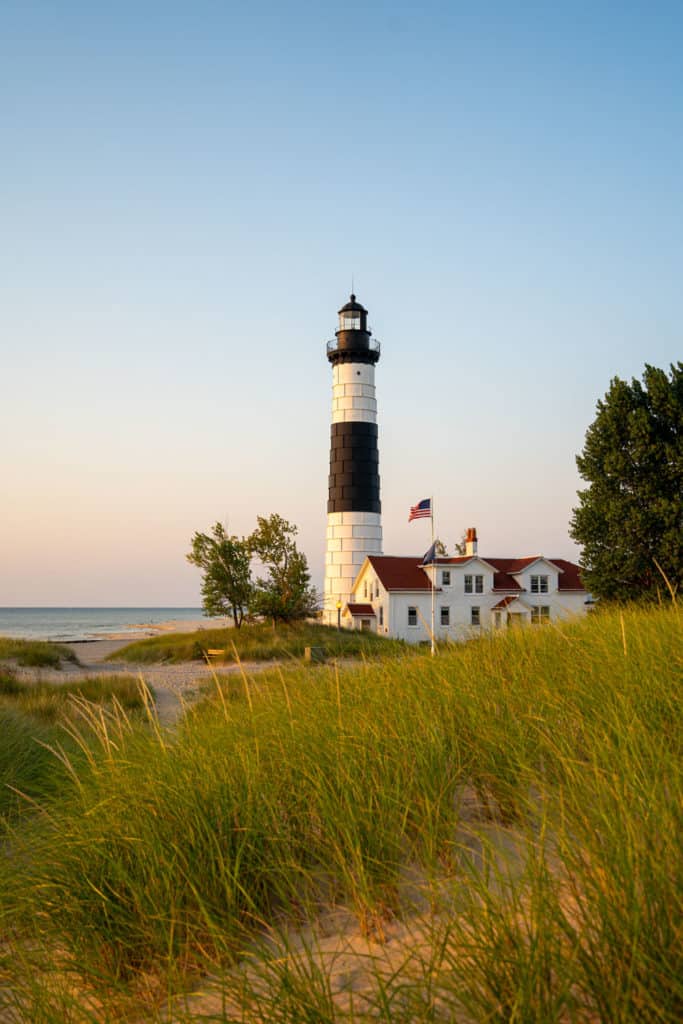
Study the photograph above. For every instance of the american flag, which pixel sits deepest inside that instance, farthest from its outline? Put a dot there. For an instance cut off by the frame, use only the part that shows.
(423, 510)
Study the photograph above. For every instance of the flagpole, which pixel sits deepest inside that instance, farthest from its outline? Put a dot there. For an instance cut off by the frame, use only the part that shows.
(433, 577)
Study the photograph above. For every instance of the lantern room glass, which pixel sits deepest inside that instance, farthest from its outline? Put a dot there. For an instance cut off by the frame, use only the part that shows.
(349, 320)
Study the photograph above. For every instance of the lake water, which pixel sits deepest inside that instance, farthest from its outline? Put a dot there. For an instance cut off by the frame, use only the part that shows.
(83, 623)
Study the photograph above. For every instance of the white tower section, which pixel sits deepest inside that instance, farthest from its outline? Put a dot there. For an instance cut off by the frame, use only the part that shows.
(354, 524)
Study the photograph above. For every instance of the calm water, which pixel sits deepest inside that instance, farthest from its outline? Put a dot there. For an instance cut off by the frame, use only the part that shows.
(83, 623)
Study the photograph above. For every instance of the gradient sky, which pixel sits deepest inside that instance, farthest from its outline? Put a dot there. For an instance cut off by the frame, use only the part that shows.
(186, 190)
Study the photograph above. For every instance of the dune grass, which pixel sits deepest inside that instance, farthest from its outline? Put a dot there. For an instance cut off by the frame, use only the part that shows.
(514, 805)
(259, 642)
(35, 653)
(34, 723)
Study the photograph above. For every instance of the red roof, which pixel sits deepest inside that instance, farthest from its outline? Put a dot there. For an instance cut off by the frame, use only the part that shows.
(571, 575)
(361, 609)
(406, 573)
(505, 601)
(503, 581)
(400, 573)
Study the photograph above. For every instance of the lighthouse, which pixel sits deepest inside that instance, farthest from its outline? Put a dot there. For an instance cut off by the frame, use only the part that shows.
(354, 523)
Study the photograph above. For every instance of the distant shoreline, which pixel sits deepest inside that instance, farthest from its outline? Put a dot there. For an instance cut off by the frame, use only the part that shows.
(145, 630)
(89, 625)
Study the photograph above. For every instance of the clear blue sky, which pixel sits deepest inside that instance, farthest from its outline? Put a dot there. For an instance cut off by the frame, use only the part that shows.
(185, 192)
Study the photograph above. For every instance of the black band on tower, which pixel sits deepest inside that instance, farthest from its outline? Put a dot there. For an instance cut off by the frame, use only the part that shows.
(354, 468)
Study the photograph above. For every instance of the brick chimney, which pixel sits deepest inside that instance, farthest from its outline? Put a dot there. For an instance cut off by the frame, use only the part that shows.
(471, 541)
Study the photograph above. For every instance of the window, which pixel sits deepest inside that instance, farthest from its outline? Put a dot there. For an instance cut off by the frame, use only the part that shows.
(365, 625)
(365, 588)
(446, 578)
(474, 584)
(376, 588)
(445, 615)
(539, 584)
(412, 616)
(350, 320)
(475, 616)
(381, 615)
(540, 614)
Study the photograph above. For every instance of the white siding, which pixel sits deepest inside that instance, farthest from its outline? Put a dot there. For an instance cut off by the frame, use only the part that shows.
(353, 393)
(460, 604)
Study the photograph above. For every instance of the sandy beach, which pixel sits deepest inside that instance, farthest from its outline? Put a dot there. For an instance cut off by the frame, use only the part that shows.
(144, 630)
(173, 685)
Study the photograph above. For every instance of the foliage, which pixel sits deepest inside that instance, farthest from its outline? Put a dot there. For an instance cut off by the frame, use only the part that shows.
(35, 653)
(512, 808)
(260, 642)
(225, 560)
(286, 594)
(630, 519)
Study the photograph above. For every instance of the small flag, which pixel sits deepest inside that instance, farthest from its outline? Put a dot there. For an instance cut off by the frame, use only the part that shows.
(430, 555)
(423, 510)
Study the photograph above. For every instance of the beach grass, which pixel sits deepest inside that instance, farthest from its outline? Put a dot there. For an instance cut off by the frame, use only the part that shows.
(36, 721)
(498, 827)
(259, 642)
(50, 701)
(35, 653)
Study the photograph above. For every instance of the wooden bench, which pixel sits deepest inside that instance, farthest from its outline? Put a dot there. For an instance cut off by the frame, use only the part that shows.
(213, 653)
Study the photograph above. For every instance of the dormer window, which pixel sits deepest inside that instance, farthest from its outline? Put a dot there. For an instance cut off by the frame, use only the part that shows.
(349, 320)
(539, 584)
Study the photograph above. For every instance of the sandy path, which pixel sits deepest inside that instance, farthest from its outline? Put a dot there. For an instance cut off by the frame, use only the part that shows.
(172, 684)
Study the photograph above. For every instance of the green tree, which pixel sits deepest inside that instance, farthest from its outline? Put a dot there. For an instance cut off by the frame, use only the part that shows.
(286, 594)
(629, 521)
(227, 587)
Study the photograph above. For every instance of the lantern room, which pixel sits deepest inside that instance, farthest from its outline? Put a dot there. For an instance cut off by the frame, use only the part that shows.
(353, 316)
(353, 341)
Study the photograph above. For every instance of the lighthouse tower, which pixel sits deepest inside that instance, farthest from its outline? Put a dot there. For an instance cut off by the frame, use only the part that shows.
(354, 524)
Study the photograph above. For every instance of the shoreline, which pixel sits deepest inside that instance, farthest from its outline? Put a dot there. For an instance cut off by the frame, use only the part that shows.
(58, 625)
(140, 631)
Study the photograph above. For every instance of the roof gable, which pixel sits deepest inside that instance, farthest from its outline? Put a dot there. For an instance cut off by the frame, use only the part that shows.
(464, 559)
(529, 563)
(359, 575)
(508, 602)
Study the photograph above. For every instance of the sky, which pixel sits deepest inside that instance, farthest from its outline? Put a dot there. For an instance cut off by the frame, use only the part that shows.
(187, 191)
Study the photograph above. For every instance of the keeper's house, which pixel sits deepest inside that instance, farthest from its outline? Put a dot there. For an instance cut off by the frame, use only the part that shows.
(393, 595)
